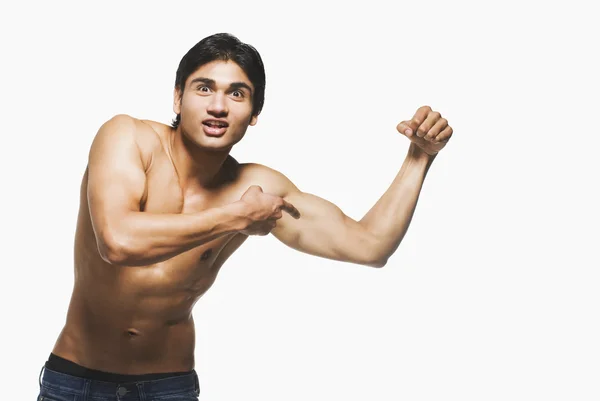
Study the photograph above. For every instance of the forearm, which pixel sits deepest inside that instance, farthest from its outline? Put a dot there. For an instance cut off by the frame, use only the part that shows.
(389, 219)
(142, 238)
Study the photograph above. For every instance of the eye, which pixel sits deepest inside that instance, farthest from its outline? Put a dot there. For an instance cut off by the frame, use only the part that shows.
(237, 93)
(203, 89)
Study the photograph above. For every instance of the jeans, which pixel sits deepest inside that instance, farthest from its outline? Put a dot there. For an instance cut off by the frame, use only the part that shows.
(55, 386)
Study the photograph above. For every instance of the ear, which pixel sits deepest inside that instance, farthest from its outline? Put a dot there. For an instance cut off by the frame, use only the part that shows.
(253, 120)
(177, 100)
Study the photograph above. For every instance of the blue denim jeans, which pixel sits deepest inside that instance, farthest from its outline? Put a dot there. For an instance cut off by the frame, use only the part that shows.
(55, 386)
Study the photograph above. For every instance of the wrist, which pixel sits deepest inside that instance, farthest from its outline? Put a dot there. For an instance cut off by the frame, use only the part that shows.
(239, 213)
(418, 154)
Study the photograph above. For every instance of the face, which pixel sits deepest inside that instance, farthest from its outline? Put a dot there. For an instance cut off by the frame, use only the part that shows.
(216, 106)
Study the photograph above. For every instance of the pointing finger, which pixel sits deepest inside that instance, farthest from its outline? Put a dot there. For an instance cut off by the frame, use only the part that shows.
(291, 209)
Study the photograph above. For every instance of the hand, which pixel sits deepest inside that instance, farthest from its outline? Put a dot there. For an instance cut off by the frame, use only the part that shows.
(263, 211)
(427, 130)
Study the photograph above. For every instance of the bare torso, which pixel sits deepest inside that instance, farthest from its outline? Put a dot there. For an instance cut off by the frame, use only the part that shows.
(138, 319)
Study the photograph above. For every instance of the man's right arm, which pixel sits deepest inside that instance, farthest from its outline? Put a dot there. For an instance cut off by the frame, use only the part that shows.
(116, 183)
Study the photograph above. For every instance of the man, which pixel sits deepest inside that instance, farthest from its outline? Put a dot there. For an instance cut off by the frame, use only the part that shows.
(163, 207)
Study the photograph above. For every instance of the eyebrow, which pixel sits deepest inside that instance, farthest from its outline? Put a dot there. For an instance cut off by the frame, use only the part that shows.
(211, 82)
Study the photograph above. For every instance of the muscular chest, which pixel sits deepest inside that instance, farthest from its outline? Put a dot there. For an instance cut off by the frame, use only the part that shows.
(164, 192)
(196, 268)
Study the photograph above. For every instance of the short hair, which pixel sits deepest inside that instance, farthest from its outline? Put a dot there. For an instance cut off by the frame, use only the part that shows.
(225, 47)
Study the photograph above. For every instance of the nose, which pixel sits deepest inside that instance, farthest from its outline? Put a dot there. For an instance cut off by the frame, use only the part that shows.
(218, 105)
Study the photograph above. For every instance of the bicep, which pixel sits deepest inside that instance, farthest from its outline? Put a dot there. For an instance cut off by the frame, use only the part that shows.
(324, 230)
(116, 176)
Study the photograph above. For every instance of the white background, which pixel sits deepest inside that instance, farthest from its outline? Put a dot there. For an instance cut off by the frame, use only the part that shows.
(492, 295)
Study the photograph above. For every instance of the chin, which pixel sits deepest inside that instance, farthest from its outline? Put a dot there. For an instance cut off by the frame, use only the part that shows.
(214, 143)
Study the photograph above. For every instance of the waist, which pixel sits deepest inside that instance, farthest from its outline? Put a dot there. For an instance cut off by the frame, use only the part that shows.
(68, 377)
(61, 365)
(114, 347)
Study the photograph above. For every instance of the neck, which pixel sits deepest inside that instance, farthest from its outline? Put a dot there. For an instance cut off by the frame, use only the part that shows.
(197, 168)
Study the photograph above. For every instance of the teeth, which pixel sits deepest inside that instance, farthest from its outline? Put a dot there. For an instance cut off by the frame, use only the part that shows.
(215, 124)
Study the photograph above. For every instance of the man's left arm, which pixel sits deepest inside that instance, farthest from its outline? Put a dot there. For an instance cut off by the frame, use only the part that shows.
(324, 230)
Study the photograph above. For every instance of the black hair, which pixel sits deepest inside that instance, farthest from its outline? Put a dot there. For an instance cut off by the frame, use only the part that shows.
(225, 47)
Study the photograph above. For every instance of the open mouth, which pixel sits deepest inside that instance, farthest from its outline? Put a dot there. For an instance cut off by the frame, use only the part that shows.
(214, 127)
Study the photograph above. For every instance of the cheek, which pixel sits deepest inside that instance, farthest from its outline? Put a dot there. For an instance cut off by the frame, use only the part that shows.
(193, 103)
(243, 112)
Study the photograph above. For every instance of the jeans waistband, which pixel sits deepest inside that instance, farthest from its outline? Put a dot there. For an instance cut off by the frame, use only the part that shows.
(126, 391)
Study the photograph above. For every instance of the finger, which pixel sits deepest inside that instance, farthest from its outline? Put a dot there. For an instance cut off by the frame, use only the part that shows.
(291, 209)
(419, 117)
(266, 226)
(254, 188)
(444, 135)
(436, 129)
(404, 128)
(429, 122)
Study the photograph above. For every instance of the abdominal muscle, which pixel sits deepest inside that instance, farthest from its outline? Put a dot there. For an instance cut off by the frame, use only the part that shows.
(134, 320)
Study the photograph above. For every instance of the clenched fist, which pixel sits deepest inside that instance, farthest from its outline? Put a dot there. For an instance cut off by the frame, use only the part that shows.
(263, 210)
(427, 130)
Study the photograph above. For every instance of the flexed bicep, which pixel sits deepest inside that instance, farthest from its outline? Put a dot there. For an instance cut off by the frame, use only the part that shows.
(324, 230)
(315, 225)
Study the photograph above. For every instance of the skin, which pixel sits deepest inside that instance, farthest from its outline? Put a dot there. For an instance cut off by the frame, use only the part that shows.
(155, 228)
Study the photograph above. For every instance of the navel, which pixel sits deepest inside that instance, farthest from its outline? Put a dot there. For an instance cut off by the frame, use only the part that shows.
(206, 254)
(133, 332)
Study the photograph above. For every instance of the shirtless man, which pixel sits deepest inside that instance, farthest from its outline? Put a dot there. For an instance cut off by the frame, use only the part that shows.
(163, 207)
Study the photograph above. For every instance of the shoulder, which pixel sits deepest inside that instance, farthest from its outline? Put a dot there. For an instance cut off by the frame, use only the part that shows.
(123, 124)
(270, 180)
(146, 135)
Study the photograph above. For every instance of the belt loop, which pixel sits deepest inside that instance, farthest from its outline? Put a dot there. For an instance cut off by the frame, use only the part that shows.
(197, 382)
(40, 378)
(141, 393)
(86, 389)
